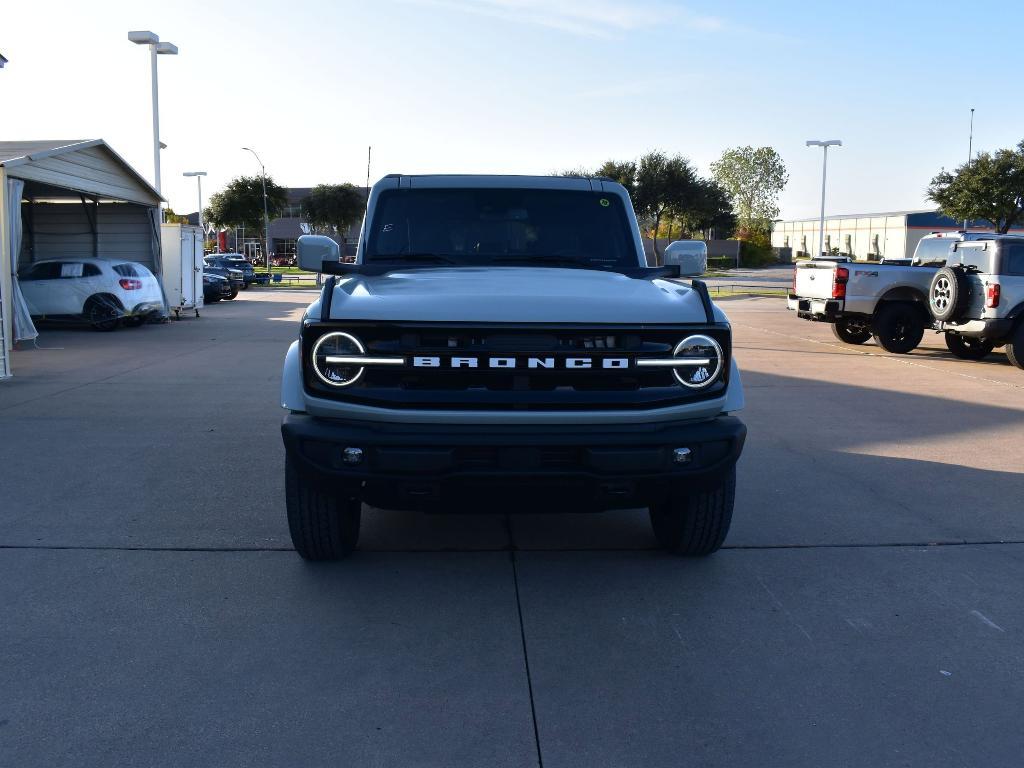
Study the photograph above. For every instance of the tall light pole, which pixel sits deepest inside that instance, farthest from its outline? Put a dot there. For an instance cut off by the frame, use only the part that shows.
(970, 152)
(156, 48)
(199, 181)
(266, 218)
(824, 171)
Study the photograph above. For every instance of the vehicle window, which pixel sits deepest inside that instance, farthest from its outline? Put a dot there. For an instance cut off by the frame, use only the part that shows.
(933, 251)
(977, 258)
(1013, 259)
(483, 226)
(126, 270)
(47, 270)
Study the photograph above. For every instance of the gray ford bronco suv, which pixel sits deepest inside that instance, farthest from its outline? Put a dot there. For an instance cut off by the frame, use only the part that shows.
(500, 345)
(977, 299)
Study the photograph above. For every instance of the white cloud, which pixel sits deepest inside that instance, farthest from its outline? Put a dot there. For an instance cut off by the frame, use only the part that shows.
(593, 18)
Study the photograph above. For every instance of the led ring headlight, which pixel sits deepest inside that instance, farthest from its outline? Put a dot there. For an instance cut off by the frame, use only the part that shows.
(707, 363)
(339, 364)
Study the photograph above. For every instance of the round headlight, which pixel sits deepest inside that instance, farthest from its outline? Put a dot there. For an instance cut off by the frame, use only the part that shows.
(707, 361)
(333, 359)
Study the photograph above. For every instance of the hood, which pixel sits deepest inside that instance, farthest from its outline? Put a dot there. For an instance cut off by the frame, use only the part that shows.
(514, 295)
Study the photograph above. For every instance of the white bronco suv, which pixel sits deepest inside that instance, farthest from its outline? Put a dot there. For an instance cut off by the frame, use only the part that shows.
(977, 300)
(500, 345)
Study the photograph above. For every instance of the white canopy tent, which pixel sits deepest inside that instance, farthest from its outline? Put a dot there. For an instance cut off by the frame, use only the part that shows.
(63, 199)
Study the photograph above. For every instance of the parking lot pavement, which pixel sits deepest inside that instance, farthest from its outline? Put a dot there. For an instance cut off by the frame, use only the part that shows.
(864, 611)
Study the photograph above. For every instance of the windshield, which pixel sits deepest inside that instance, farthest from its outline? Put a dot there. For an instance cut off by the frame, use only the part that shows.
(502, 226)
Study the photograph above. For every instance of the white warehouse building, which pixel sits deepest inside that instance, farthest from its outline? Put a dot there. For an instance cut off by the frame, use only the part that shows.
(868, 236)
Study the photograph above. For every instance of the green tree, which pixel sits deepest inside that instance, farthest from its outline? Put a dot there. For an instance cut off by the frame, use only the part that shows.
(240, 204)
(710, 209)
(333, 207)
(174, 218)
(668, 195)
(754, 178)
(665, 187)
(990, 187)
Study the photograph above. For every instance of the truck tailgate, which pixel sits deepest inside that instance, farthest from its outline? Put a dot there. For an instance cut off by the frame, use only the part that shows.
(814, 279)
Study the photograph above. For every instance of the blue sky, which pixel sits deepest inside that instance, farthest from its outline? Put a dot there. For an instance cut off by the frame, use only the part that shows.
(521, 86)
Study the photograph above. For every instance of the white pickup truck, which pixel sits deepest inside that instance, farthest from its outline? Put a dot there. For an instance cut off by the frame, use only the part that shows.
(862, 299)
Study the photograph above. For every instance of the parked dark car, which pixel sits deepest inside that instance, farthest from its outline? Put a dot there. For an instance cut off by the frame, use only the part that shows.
(234, 261)
(233, 276)
(216, 288)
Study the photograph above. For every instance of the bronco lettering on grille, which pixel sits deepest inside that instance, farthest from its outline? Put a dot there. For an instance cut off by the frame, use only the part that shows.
(569, 363)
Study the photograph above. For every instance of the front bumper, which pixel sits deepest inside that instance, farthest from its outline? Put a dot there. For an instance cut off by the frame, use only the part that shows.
(487, 468)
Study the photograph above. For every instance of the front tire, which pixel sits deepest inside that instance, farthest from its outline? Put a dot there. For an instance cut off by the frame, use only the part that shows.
(850, 332)
(898, 327)
(695, 523)
(233, 294)
(323, 525)
(968, 347)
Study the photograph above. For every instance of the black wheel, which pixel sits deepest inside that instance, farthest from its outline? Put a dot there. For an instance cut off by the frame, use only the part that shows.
(898, 327)
(212, 299)
(1015, 346)
(968, 347)
(103, 314)
(134, 321)
(851, 331)
(323, 525)
(948, 293)
(695, 523)
(230, 296)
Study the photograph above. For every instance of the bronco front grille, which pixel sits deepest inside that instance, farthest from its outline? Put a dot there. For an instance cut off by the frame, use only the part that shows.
(550, 384)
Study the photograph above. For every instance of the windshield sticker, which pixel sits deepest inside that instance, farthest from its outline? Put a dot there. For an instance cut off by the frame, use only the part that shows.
(605, 202)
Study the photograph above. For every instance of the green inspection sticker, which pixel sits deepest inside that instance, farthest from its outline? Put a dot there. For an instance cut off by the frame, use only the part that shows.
(605, 202)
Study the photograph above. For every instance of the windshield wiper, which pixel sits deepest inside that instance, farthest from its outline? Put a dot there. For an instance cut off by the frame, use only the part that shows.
(420, 258)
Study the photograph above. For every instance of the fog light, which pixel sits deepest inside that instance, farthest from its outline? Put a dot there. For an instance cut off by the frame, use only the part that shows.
(682, 455)
(352, 456)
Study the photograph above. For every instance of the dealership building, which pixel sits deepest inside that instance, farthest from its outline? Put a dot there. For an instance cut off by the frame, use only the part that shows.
(868, 236)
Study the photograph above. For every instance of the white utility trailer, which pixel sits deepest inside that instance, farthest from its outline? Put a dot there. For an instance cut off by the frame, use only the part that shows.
(181, 248)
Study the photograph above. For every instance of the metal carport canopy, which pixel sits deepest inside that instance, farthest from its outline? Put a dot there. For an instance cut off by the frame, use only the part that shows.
(91, 174)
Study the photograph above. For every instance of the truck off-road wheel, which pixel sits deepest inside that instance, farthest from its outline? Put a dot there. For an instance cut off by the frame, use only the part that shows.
(1015, 346)
(696, 523)
(851, 331)
(948, 293)
(233, 294)
(898, 327)
(323, 525)
(968, 347)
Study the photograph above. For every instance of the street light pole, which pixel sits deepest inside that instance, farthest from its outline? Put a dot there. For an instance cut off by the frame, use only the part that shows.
(199, 181)
(266, 218)
(970, 152)
(156, 48)
(824, 171)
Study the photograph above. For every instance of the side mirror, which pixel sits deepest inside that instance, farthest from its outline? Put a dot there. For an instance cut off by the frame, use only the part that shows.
(691, 256)
(314, 250)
